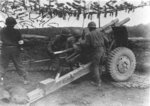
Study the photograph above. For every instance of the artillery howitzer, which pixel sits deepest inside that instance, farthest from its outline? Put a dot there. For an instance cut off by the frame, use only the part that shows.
(120, 62)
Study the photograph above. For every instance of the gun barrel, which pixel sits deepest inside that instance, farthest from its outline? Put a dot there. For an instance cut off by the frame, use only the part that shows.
(113, 22)
(109, 29)
(123, 22)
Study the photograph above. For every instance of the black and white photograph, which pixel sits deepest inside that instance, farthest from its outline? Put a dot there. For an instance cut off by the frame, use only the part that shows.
(74, 52)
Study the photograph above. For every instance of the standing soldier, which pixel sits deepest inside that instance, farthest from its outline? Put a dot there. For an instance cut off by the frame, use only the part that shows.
(11, 42)
(95, 42)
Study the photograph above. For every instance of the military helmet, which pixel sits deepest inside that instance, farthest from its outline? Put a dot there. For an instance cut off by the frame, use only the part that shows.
(10, 21)
(76, 32)
(92, 25)
(65, 32)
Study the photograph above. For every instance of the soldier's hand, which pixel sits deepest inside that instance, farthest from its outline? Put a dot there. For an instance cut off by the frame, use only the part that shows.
(82, 41)
(21, 49)
(21, 42)
(76, 47)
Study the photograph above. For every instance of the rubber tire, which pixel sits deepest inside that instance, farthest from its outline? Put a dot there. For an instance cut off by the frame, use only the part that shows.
(112, 63)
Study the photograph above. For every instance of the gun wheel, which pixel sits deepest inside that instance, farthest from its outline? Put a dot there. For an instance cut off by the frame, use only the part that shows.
(121, 63)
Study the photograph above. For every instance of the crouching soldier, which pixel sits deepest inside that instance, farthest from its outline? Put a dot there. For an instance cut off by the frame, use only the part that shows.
(95, 42)
(11, 41)
(58, 44)
(76, 35)
(60, 41)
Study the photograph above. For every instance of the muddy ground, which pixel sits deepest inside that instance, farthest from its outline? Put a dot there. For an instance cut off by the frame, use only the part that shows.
(82, 93)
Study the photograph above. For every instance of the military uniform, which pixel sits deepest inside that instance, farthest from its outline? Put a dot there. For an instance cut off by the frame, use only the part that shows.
(76, 35)
(95, 42)
(58, 44)
(10, 50)
(60, 41)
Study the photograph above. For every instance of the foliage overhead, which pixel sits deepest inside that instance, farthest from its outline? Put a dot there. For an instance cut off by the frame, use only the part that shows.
(29, 12)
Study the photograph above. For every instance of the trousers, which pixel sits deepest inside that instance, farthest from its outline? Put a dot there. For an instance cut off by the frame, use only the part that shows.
(11, 53)
(97, 63)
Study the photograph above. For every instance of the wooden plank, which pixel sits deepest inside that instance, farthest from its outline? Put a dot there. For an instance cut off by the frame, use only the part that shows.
(35, 95)
(50, 85)
(46, 84)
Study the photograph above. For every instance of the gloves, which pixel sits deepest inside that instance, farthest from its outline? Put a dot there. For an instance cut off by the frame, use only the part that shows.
(21, 49)
(76, 47)
(20, 42)
(82, 42)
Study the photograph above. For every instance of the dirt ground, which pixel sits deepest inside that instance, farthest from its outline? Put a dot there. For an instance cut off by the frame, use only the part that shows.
(83, 93)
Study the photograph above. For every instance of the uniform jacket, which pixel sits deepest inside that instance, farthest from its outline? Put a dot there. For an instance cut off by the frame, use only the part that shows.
(58, 44)
(10, 36)
(95, 39)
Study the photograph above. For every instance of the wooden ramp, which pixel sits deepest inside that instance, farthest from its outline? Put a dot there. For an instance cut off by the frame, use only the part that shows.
(50, 85)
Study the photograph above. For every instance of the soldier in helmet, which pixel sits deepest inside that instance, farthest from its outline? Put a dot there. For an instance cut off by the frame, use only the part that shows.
(60, 41)
(11, 41)
(58, 44)
(95, 42)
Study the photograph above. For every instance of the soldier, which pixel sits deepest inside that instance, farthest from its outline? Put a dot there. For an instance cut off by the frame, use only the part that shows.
(58, 44)
(60, 41)
(76, 35)
(11, 42)
(95, 42)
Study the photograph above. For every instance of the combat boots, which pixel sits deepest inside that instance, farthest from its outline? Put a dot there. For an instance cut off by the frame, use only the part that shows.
(97, 84)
